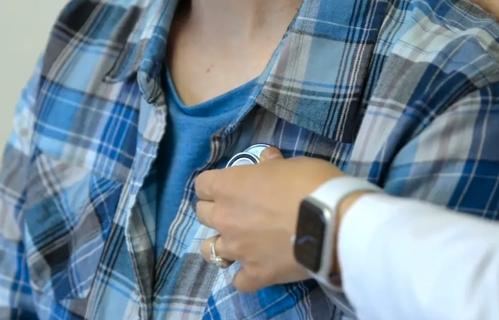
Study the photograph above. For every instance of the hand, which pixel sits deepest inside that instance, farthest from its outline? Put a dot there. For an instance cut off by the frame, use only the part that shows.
(491, 6)
(255, 209)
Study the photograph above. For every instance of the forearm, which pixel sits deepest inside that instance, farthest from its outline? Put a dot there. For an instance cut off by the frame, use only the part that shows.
(402, 259)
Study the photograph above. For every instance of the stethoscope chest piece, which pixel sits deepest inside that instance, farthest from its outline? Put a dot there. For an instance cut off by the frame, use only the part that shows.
(251, 155)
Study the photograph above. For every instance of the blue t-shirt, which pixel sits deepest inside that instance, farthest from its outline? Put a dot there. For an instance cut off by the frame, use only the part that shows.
(186, 146)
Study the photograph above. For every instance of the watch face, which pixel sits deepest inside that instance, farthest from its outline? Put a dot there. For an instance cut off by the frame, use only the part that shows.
(309, 236)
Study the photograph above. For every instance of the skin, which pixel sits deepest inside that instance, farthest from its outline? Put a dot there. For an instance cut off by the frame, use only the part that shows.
(217, 45)
(492, 6)
(256, 224)
(255, 220)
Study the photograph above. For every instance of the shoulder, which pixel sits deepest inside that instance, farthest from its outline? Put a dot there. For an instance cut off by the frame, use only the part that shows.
(451, 35)
(110, 20)
(436, 52)
(94, 31)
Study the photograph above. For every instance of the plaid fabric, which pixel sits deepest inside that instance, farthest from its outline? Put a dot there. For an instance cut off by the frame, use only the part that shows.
(402, 93)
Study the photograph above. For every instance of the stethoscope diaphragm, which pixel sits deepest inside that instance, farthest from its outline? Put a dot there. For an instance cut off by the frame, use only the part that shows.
(251, 155)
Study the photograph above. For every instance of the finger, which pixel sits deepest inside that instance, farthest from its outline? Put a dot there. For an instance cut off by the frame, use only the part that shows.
(204, 184)
(220, 249)
(245, 281)
(271, 153)
(205, 212)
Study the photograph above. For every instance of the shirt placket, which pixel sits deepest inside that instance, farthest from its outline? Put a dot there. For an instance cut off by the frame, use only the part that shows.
(151, 128)
(220, 144)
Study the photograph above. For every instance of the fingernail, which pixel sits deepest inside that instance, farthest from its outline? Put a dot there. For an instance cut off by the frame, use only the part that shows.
(271, 153)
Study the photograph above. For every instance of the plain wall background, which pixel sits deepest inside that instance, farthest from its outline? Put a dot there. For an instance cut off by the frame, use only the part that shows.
(24, 28)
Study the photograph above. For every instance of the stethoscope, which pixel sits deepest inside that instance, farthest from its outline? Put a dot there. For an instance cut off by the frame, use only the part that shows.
(249, 156)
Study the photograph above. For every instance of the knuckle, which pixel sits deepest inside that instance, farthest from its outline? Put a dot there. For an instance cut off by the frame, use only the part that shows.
(233, 249)
(198, 183)
(219, 223)
(217, 185)
(199, 207)
(206, 182)
(201, 212)
(220, 218)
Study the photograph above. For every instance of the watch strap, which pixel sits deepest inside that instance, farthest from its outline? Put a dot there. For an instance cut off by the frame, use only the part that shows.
(331, 194)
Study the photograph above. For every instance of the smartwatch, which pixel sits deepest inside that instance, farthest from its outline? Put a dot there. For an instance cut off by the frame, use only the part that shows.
(314, 241)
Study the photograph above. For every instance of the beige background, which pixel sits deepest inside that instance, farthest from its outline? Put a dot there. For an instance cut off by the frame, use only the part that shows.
(24, 28)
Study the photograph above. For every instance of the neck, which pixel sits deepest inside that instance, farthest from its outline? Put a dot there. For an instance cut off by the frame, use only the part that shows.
(242, 18)
(220, 44)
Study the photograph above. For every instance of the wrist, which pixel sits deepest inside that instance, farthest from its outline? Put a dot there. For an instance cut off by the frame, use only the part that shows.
(318, 218)
(347, 203)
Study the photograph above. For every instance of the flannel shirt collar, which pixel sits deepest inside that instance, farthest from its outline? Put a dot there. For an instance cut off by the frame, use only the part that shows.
(304, 83)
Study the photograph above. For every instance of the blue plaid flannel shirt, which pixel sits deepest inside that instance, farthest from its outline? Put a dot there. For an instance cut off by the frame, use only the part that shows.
(402, 93)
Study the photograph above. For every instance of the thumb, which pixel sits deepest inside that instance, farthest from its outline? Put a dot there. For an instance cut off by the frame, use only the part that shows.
(271, 153)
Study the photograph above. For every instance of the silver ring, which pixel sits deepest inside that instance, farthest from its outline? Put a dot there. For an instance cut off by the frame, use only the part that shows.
(216, 259)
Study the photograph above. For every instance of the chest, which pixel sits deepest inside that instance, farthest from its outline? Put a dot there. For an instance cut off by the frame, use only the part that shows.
(98, 162)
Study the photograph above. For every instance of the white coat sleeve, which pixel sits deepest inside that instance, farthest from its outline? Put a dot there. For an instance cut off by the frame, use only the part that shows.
(405, 259)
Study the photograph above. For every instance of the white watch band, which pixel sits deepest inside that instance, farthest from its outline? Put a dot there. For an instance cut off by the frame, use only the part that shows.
(330, 194)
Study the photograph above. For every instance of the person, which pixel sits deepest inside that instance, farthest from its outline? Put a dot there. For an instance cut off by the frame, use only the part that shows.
(424, 245)
(407, 250)
(98, 179)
